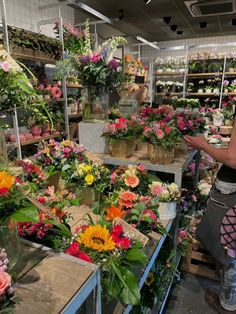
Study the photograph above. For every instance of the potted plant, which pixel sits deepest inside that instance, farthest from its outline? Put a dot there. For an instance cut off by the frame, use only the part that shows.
(161, 138)
(167, 196)
(228, 117)
(122, 138)
(226, 86)
(160, 86)
(218, 117)
(200, 89)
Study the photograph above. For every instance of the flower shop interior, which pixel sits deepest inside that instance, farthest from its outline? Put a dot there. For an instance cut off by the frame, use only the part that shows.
(100, 196)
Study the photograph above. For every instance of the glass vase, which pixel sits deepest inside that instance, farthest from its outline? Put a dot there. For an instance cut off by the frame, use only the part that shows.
(95, 104)
(9, 241)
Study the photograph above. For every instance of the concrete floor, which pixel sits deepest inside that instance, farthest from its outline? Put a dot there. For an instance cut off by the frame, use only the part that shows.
(187, 297)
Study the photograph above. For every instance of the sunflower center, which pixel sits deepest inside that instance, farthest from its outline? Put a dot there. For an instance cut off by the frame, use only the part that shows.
(98, 240)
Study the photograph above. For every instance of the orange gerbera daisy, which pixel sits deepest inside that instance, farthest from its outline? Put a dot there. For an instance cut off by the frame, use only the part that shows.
(114, 212)
(127, 199)
(131, 180)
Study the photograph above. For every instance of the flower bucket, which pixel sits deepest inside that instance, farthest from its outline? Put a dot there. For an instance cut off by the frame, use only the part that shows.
(167, 210)
(181, 149)
(56, 181)
(122, 148)
(160, 155)
(88, 196)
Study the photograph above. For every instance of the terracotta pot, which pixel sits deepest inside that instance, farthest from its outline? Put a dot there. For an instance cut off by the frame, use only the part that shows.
(160, 155)
(122, 148)
(12, 138)
(36, 130)
(28, 136)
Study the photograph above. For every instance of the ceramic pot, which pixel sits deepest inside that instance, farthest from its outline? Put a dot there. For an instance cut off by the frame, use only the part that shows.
(167, 211)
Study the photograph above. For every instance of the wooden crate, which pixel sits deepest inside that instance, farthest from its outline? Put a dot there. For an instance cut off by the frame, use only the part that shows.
(199, 262)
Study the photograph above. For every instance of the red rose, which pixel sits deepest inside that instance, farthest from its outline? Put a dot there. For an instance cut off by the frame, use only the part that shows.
(73, 249)
(124, 243)
(117, 230)
(168, 130)
(84, 257)
(4, 191)
(41, 199)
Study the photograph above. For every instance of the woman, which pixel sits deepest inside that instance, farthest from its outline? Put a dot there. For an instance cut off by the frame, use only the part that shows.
(217, 230)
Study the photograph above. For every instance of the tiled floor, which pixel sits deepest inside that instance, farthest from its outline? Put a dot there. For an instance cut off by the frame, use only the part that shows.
(188, 296)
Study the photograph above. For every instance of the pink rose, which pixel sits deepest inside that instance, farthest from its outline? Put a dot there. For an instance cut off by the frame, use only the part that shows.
(113, 178)
(5, 284)
(66, 152)
(168, 130)
(5, 66)
(157, 189)
(123, 243)
(150, 213)
(142, 168)
(160, 134)
(182, 234)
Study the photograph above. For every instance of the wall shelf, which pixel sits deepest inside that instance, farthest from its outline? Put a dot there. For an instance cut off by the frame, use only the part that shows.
(34, 141)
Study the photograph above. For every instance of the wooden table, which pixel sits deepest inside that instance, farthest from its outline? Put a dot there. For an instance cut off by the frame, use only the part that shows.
(51, 283)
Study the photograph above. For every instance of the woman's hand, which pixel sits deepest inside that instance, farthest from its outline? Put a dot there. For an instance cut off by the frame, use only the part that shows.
(196, 142)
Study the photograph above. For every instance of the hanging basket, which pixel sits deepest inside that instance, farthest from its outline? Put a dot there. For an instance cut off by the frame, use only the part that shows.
(160, 155)
(122, 148)
(167, 210)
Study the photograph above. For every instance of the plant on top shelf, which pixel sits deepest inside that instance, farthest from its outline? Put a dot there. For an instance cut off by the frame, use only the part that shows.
(21, 38)
(187, 103)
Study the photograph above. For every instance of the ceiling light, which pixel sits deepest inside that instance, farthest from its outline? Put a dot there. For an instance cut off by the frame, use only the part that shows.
(203, 24)
(143, 40)
(173, 27)
(167, 19)
(147, 1)
(179, 32)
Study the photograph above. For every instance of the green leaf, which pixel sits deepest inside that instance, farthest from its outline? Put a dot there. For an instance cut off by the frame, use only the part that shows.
(28, 214)
(63, 228)
(137, 255)
(130, 293)
(65, 167)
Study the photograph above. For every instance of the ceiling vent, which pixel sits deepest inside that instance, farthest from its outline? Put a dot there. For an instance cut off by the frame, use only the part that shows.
(211, 7)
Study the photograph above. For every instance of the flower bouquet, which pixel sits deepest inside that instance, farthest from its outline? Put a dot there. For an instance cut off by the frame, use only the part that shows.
(116, 252)
(89, 179)
(135, 178)
(122, 137)
(161, 137)
(167, 196)
(57, 156)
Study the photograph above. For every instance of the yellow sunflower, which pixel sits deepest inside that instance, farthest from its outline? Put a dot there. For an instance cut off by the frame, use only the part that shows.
(6, 180)
(97, 238)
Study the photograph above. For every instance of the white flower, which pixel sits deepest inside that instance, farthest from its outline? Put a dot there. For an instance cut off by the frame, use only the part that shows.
(173, 187)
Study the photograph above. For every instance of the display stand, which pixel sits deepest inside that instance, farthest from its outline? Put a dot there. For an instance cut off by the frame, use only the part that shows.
(50, 282)
(177, 167)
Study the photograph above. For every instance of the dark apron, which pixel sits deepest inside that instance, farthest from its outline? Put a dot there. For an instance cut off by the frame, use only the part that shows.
(208, 231)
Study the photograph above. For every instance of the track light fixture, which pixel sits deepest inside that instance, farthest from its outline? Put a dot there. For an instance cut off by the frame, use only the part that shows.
(167, 19)
(233, 22)
(173, 27)
(121, 16)
(179, 32)
(147, 1)
(146, 42)
(203, 24)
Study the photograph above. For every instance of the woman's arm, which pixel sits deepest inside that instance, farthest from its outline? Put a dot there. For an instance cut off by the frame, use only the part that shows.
(225, 155)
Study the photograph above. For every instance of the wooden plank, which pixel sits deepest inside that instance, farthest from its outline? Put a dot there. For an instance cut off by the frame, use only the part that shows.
(50, 285)
(199, 270)
(202, 257)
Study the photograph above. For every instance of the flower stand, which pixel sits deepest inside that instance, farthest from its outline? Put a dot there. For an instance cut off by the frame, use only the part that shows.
(122, 148)
(160, 155)
(90, 137)
(167, 210)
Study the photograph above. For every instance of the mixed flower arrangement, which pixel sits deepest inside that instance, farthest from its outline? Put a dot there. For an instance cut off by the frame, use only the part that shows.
(189, 123)
(162, 134)
(121, 128)
(165, 193)
(115, 251)
(57, 155)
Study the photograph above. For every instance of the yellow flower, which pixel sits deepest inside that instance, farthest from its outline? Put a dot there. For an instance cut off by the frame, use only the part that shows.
(87, 168)
(150, 279)
(97, 238)
(67, 143)
(6, 180)
(89, 179)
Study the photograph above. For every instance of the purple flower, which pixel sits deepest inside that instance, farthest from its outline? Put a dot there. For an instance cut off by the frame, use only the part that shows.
(114, 64)
(85, 59)
(226, 83)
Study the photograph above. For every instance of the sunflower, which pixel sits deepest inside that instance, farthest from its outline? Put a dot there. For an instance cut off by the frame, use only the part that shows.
(97, 238)
(114, 212)
(6, 180)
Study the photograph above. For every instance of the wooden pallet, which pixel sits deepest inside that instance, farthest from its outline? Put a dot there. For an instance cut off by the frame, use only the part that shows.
(199, 262)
